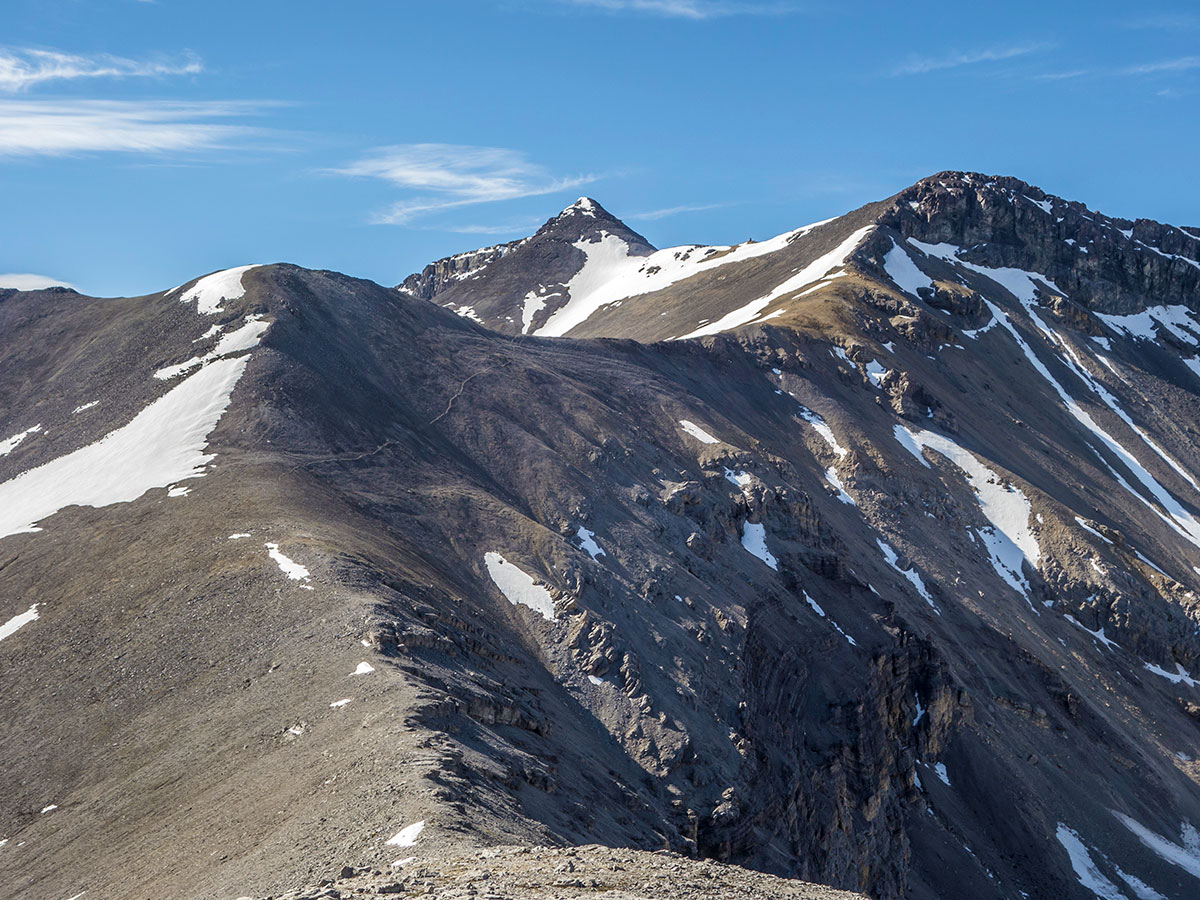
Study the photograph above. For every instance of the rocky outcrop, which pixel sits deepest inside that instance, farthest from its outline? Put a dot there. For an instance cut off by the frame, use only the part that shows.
(1112, 265)
(444, 273)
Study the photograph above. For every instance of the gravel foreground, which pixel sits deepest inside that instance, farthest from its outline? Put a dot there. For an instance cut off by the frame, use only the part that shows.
(528, 873)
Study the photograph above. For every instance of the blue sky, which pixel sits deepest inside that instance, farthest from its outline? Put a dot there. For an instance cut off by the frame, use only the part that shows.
(144, 143)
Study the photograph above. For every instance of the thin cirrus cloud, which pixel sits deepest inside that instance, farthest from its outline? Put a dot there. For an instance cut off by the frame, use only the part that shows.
(683, 9)
(1173, 66)
(656, 214)
(1164, 21)
(525, 227)
(25, 68)
(919, 65)
(65, 127)
(1178, 64)
(451, 176)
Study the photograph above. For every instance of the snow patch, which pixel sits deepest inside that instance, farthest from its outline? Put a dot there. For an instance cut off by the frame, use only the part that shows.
(911, 574)
(1176, 517)
(754, 540)
(1139, 887)
(814, 271)
(518, 587)
(1086, 870)
(1009, 540)
(77, 410)
(237, 341)
(364, 668)
(697, 432)
(1043, 205)
(902, 270)
(1072, 360)
(1185, 855)
(533, 304)
(1098, 635)
(587, 543)
(974, 333)
(816, 607)
(407, 836)
(1179, 676)
(1082, 523)
(876, 372)
(8, 445)
(161, 445)
(610, 274)
(742, 480)
(1022, 284)
(1178, 320)
(835, 481)
(466, 312)
(288, 567)
(211, 290)
(11, 627)
(822, 428)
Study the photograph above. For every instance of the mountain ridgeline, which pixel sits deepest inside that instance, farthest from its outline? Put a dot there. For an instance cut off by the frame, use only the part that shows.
(865, 555)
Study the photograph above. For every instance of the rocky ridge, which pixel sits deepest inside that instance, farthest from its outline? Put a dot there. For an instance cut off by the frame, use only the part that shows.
(565, 874)
(893, 590)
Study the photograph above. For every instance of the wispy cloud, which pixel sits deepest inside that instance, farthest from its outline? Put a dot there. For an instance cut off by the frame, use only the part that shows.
(24, 68)
(1167, 21)
(918, 65)
(526, 227)
(685, 9)
(656, 214)
(1178, 64)
(1062, 76)
(28, 282)
(1174, 66)
(60, 128)
(449, 176)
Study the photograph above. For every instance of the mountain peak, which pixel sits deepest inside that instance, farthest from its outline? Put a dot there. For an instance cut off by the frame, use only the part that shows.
(585, 213)
(584, 206)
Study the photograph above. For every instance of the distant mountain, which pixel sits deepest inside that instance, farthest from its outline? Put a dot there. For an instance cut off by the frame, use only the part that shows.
(617, 286)
(865, 555)
(494, 286)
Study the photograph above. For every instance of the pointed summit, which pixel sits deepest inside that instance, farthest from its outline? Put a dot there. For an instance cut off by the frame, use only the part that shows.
(517, 287)
(584, 206)
(586, 217)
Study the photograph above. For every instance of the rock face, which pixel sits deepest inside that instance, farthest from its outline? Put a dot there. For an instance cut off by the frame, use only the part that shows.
(888, 583)
(440, 276)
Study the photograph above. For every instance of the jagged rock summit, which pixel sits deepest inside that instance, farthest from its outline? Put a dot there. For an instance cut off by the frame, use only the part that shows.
(881, 575)
(560, 249)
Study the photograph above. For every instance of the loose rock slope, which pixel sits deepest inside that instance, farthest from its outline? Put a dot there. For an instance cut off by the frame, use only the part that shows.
(566, 874)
